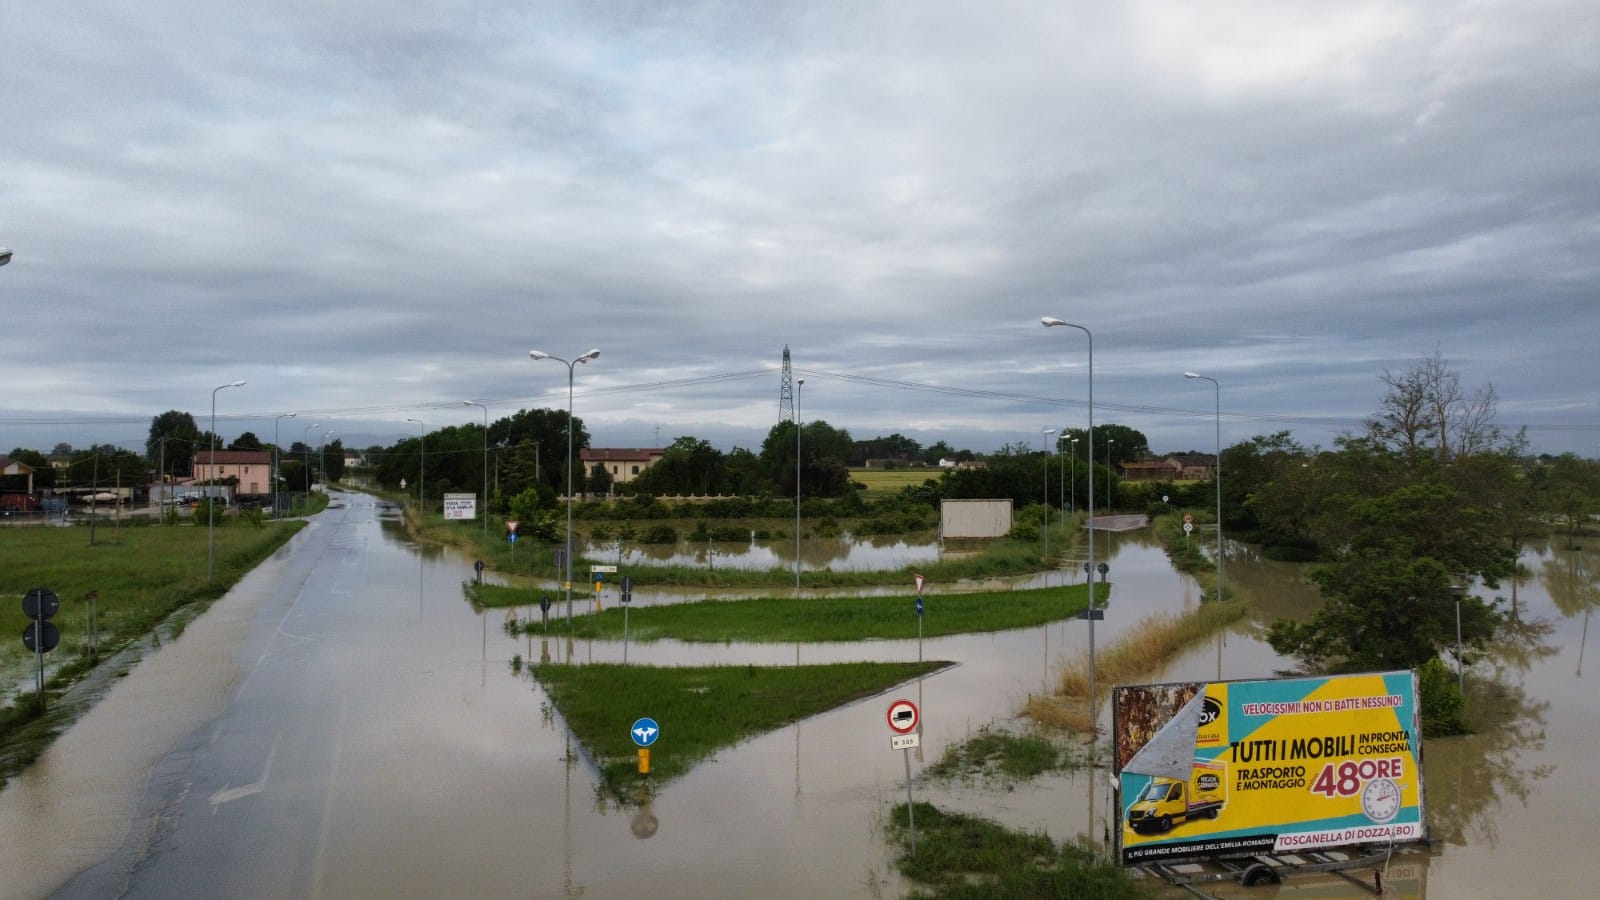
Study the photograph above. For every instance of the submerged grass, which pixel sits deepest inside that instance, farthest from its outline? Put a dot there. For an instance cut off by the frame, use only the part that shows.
(1146, 648)
(992, 752)
(700, 709)
(999, 558)
(811, 619)
(960, 856)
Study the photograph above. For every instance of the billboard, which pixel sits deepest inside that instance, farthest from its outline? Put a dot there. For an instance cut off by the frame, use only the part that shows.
(964, 519)
(460, 506)
(1237, 768)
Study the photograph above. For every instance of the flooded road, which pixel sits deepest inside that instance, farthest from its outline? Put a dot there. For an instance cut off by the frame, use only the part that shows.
(343, 724)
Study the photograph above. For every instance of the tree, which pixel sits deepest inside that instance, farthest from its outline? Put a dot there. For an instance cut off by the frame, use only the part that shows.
(1406, 514)
(599, 480)
(335, 460)
(822, 450)
(1427, 414)
(178, 434)
(1570, 490)
(246, 441)
(545, 430)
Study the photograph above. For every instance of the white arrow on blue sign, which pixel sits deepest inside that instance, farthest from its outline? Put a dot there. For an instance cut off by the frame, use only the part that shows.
(645, 731)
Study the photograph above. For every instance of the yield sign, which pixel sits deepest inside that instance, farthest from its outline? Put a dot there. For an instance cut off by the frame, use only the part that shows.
(919, 584)
(511, 525)
(902, 717)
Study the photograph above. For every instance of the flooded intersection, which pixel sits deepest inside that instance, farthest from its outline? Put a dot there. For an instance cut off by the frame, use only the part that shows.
(344, 725)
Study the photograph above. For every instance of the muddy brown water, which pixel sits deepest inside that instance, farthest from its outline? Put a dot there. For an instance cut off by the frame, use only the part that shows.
(343, 725)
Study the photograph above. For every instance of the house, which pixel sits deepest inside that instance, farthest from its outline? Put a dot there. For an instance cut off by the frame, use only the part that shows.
(1151, 470)
(251, 468)
(622, 465)
(9, 466)
(1176, 467)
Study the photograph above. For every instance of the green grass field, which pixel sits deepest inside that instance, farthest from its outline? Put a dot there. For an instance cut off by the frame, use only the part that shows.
(700, 709)
(882, 482)
(814, 619)
(139, 574)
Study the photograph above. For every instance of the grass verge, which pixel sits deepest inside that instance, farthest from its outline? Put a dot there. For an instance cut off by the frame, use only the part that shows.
(1151, 644)
(700, 709)
(992, 753)
(812, 619)
(960, 856)
(139, 576)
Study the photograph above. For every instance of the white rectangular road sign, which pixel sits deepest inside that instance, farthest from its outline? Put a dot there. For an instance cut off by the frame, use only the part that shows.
(460, 506)
(608, 569)
(905, 741)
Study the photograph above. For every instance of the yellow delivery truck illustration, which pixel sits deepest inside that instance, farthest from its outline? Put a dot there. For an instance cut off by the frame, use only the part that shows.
(1166, 802)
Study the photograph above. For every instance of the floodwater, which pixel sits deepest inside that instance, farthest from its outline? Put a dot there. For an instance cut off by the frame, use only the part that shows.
(343, 724)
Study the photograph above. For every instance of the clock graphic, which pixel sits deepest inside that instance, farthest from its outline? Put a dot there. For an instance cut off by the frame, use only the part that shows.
(1380, 800)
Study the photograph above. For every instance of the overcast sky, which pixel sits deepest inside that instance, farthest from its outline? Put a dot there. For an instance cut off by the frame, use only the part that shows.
(372, 211)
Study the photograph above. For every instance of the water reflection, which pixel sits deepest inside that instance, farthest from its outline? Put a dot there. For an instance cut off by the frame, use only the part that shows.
(842, 553)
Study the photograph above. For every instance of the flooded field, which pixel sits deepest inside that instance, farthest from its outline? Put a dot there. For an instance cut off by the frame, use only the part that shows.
(345, 707)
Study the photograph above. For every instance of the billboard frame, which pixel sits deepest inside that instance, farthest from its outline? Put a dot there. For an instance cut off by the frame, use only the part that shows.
(1212, 770)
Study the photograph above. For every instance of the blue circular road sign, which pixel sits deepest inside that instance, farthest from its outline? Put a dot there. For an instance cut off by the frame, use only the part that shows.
(645, 731)
(919, 606)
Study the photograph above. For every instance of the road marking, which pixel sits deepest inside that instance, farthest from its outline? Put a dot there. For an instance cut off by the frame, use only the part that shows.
(319, 863)
(228, 795)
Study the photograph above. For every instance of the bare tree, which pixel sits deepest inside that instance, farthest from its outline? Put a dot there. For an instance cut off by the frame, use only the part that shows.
(1427, 414)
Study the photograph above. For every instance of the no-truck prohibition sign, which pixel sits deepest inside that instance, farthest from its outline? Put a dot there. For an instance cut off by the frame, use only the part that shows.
(902, 717)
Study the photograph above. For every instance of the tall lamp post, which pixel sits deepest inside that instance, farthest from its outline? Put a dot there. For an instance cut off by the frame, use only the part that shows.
(592, 354)
(1047, 433)
(211, 499)
(799, 422)
(277, 501)
(1109, 465)
(305, 439)
(422, 466)
(485, 463)
(322, 456)
(1072, 470)
(5, 256)
(1050, 322)
(1216, 390)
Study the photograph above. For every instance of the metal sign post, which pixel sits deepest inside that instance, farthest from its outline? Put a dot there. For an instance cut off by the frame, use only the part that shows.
(40, 636)
(627, 601)
(903, 720)
(919, 616)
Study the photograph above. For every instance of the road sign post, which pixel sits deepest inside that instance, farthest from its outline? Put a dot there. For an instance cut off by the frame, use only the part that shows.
(40, 636)
(903, 721)
(644, 732)
(627, 601)
(919, 616)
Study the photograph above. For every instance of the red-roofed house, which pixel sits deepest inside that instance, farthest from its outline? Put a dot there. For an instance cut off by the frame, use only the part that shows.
(623, 465)
(252, 468)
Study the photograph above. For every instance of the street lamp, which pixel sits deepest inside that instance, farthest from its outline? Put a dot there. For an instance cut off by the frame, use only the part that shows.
(1049, 322)
(536, 355)
(1216, 390)
(799, 422)
(277, 501)
(485, 463)
(305, 439)
(1109, 442)
(422, 468)
(5, 256)
(322, 456)
(1047, 433)
(1072, 474)
(211, 500)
